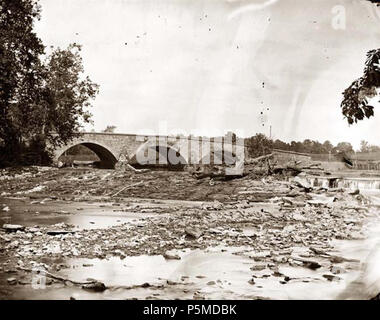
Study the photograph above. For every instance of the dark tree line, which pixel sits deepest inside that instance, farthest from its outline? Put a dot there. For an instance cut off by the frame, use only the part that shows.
(43, 100)
(260, 145)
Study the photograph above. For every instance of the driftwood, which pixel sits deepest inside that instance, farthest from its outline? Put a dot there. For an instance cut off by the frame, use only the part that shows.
(125, 166)
(125, 188)
(331, 257)
(295, 167)
(258, 159)
(218, 172)
(282, 169)
(59, 278)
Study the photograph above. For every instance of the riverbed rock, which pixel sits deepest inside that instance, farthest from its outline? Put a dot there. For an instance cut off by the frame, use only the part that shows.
(169, 256)
(13, 227)
(331, 277)
(12, 281)
(258, 267)
(311, 265)
(258, 256)
(58, 232)
(4, 238)
(300, 182)
(337, 270)
(192, 233)
(354, 193)
(87, 265)
(95, 286)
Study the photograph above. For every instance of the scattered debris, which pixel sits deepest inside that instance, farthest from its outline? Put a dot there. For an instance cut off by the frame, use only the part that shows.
(127, 187)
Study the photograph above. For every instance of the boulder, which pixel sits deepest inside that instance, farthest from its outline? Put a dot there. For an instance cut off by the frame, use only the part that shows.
(13, 227)
(300, 182)
(192, 233)
(12, 281)
(95, 286)
(169, 256)
(354, 193)
(258, 267)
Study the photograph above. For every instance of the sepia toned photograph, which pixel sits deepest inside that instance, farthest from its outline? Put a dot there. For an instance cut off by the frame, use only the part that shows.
(189, 150)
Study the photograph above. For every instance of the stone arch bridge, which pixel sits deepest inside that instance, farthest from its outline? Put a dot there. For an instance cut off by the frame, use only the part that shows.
(162, 150)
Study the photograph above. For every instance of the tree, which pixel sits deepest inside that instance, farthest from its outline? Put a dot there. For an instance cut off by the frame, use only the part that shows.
(259, 145)
(343, 147)
(364, 146)
(297, 146)
(66, 96)
(20, 68)
(355, 105)
(327, 146)
(278, 144)
(374, 149)
(110, 129)
(40, 101)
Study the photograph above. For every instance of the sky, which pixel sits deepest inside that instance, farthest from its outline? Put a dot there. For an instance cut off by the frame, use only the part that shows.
(206, 67)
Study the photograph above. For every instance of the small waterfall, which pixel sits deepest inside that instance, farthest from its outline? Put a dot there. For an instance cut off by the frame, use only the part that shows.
(345, 183)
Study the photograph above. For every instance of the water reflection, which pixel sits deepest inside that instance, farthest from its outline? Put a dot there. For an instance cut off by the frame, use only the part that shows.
(83, 215)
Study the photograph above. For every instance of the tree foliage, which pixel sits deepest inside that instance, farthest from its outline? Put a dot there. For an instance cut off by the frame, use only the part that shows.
(41, 100)
(67, 95)
(355, 98)
(367, 148)
(355, 105)
(20, 67)
(343, 147)
(259, 145)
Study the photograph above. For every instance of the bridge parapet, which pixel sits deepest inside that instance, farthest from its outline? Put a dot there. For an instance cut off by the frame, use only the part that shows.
(187, 150)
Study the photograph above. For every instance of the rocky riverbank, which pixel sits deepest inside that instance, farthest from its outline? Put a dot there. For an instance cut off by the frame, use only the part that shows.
(272, 222)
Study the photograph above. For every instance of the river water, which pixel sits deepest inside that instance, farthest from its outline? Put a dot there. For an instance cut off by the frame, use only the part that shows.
(214, 273)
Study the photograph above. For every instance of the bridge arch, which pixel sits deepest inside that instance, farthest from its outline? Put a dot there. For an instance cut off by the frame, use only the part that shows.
(108, 159)
(220, 156)
(169, 153)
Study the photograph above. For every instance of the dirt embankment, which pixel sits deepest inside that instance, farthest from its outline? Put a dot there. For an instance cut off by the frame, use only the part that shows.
(108, 185)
